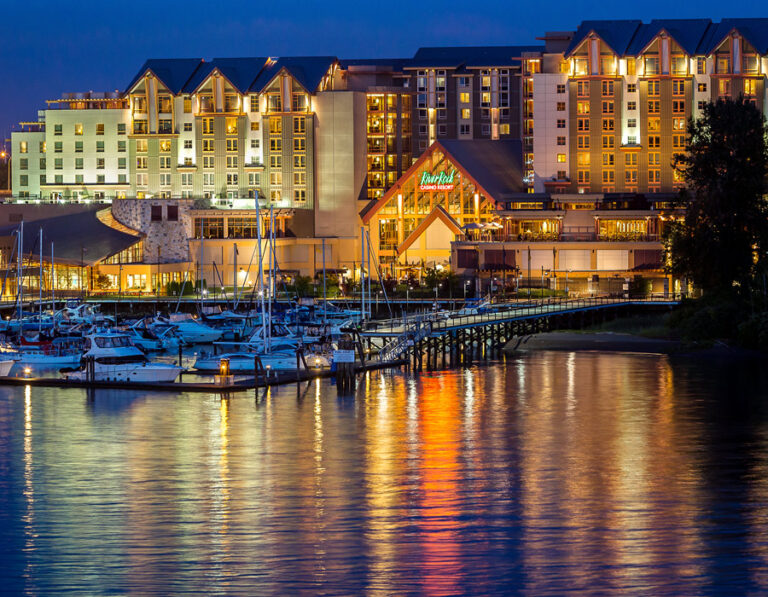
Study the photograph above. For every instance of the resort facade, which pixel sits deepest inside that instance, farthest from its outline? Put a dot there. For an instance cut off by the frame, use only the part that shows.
(509, 161)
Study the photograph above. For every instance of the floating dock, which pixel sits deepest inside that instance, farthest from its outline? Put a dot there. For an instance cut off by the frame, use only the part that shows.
(274, 378)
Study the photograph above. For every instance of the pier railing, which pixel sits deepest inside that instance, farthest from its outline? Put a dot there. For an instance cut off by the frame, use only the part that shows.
(441, 321)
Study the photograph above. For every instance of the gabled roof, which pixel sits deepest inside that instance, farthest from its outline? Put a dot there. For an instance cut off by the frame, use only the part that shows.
(495, 166)
(469, 56)
(240, 72)
(755, 31)
(617, 34)
(173, 72)
(93, 242)
(307, 70)
(200, 75)
(688, 34)
(438, 213)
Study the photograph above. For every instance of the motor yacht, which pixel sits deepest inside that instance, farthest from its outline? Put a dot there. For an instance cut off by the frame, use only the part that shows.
(116, 359)
(189, 330)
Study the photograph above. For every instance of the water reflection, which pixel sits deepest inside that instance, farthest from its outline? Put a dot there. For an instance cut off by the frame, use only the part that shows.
(550, 473)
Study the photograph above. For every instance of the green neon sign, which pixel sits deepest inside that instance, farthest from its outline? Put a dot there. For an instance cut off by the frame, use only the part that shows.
(437, 182)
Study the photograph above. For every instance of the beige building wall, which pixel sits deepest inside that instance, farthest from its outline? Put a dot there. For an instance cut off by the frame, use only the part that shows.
(340, 162)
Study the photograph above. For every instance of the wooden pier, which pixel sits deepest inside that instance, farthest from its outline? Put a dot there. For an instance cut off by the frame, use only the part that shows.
(432, 341)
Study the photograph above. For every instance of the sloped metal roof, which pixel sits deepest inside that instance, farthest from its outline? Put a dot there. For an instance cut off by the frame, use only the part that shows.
(497, 166)
(307, 70)
(468, 56)
(173, 72)
(754, 30)
(617, 34)
(688, 34)
(75, 236)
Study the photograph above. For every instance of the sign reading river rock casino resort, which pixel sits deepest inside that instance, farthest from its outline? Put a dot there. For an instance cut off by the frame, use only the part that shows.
(437, 182)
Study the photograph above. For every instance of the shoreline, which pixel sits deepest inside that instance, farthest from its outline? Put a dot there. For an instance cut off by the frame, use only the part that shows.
(619, 342)
(599, 341)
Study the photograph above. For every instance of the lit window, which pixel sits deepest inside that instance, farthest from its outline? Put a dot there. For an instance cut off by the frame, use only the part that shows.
(561, 158)
(78, 128)
(23, 147)
(465, 113)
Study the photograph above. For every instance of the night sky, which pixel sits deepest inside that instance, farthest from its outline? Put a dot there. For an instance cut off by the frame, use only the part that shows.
(49, 48)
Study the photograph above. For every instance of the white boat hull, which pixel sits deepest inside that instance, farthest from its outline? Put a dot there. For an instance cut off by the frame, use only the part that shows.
(50, 360)
(245, 363)
(5, 367)
(150, 373)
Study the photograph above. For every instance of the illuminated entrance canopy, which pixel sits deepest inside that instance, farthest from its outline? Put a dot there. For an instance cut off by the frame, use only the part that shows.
(437, 182)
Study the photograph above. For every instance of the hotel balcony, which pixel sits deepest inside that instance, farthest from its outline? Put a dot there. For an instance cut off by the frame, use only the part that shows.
(109, 100)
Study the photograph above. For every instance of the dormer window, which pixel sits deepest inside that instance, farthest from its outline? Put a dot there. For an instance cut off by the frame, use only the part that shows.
(206, 103)
(581, 67)
(750, 63)
(274, 104)
(607, 65)
(679, 65)
(651, 65)
(299, 102)
(164, 104)
(231, 103)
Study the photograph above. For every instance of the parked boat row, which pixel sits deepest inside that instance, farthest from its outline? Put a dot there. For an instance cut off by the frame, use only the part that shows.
(83, 343)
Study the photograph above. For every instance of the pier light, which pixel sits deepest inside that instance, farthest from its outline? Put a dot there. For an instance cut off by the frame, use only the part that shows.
(224, 367)
(27, 371)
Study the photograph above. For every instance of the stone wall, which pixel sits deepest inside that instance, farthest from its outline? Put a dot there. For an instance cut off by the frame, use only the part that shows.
(166, 241)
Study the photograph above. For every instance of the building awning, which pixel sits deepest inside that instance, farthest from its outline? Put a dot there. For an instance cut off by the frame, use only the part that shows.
(80, 238)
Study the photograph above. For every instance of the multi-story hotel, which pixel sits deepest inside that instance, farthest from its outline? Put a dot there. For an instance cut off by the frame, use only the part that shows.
(561, 151)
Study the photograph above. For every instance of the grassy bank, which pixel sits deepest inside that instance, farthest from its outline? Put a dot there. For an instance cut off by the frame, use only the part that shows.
(653, 325)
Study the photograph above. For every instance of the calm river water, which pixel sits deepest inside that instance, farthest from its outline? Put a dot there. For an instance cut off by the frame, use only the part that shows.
(547, 474)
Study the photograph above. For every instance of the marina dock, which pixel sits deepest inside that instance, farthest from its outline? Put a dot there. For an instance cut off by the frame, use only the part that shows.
(243, 382)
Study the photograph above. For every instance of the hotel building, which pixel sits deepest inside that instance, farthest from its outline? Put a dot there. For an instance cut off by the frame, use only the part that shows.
(576, 134)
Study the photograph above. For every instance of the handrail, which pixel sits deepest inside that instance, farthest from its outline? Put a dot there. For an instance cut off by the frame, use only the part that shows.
(507, 312)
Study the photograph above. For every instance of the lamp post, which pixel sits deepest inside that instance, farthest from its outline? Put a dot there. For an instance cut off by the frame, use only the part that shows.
(407, 291)
(7, 157)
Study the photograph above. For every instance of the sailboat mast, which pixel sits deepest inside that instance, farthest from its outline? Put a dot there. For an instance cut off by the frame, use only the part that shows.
(200, 263)
(362, 270)
(40, 286)
(53, 284)
(271, 274)
(261, 272)
(325, 299)
(19, 263)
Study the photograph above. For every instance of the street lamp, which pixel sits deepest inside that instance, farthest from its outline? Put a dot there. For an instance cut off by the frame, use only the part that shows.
(7, 157)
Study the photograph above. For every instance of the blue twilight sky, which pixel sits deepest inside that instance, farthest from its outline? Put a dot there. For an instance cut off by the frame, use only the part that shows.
(53, 47)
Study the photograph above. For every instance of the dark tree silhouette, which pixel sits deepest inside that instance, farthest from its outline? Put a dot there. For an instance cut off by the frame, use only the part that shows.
(722, 242)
